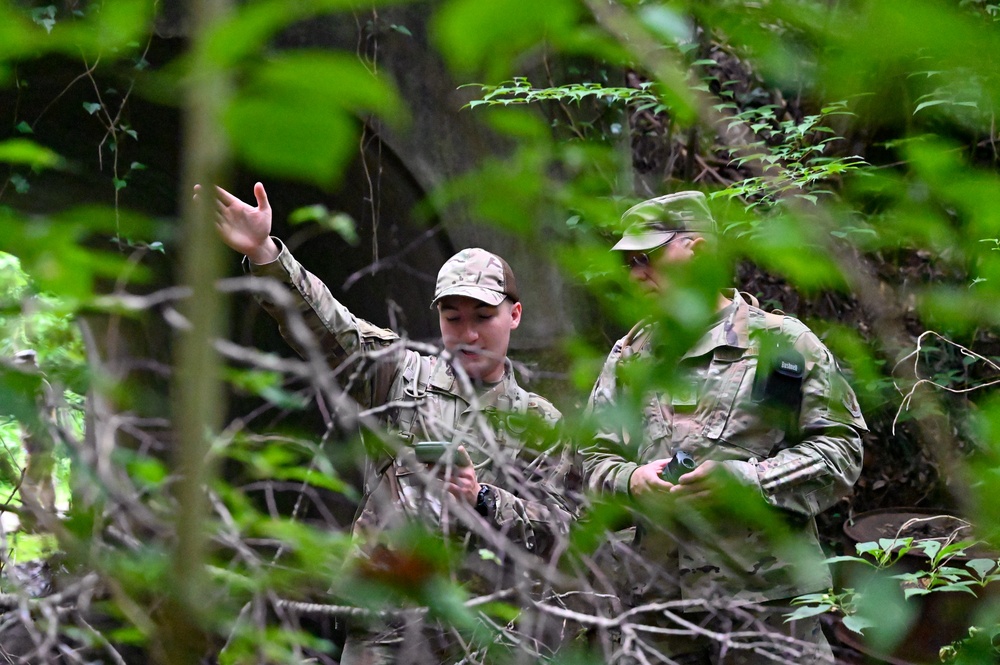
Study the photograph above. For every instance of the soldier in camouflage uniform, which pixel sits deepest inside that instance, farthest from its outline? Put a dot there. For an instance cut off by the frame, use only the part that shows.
(759, 401)
(466, 396)
(38, 492)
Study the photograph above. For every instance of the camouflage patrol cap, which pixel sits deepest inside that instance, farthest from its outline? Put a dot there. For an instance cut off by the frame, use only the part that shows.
(655, 222)
(477, 274)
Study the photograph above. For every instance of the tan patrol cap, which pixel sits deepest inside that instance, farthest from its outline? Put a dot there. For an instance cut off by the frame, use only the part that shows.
(655, 222)
(477, 274)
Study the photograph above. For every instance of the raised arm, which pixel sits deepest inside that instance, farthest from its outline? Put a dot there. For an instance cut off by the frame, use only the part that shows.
(243, 227)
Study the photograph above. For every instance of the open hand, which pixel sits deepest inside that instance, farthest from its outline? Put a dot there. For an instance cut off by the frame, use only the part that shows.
(243, 227)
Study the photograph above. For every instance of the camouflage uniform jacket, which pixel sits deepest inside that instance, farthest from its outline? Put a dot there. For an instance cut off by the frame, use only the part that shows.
(420, 398)
(801, 468)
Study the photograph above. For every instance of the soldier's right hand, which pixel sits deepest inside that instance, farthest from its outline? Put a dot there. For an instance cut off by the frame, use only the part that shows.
(646, 479)
(243, 227)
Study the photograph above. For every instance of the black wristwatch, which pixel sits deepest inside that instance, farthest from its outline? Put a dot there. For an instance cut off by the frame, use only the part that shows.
(486, 502)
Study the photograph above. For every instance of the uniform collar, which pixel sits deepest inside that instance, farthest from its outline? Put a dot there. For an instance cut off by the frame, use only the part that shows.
(497, 396)
(731, 327)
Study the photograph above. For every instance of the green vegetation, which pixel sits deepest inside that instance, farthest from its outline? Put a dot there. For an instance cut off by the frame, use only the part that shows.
(850, 148)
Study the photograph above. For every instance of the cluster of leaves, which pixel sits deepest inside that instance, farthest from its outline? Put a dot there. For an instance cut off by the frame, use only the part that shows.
(862, 608)
(519, 90)
(943, 566)
(792, 155)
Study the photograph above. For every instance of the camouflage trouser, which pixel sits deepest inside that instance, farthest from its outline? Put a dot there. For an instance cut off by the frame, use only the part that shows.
(756, 636)
(751, 634)
(38, 492)
(412, 641)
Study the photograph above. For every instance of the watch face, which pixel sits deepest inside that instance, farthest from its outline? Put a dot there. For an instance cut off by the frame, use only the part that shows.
(484, 500)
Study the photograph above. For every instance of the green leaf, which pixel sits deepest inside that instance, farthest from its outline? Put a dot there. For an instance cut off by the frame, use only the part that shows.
(503, 29)
(488, 555)
(857, 623)
(332, 80)
(149, 470)
(91, 107)
(340, 223)
(807, 611)
(848, 559)
(267, 385)
(667, 24)
(982, 567)
(929, 547)
(957, 586)
(17, 35)
(120, 184)
(117, 26)
(23, 151)
(297, 117)
(24, 128)
(894, 544)
(21, 184)
(292, 139)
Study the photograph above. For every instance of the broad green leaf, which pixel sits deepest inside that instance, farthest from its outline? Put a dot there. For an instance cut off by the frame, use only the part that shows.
(111, 27)
(924, 105)
(18, 36)
(982, 567)
(330, 80)
(52, 253)
(848, 559)
(250, 30)
(668, 25)
(297, 116)
(23, 151)
(868, 547)
(339, 222)
(293, 139)
(503, 29)
(893, 544)
(957, 586)
(929, 547)
(857, 623)
(807, 611)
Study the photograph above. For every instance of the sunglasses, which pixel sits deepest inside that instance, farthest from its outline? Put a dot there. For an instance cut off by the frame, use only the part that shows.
(635, 260)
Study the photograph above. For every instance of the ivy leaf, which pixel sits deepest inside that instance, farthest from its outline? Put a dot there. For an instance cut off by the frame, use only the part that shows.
(91, 107)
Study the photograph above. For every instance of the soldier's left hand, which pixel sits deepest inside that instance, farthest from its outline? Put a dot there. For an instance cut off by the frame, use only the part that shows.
(700, 482)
